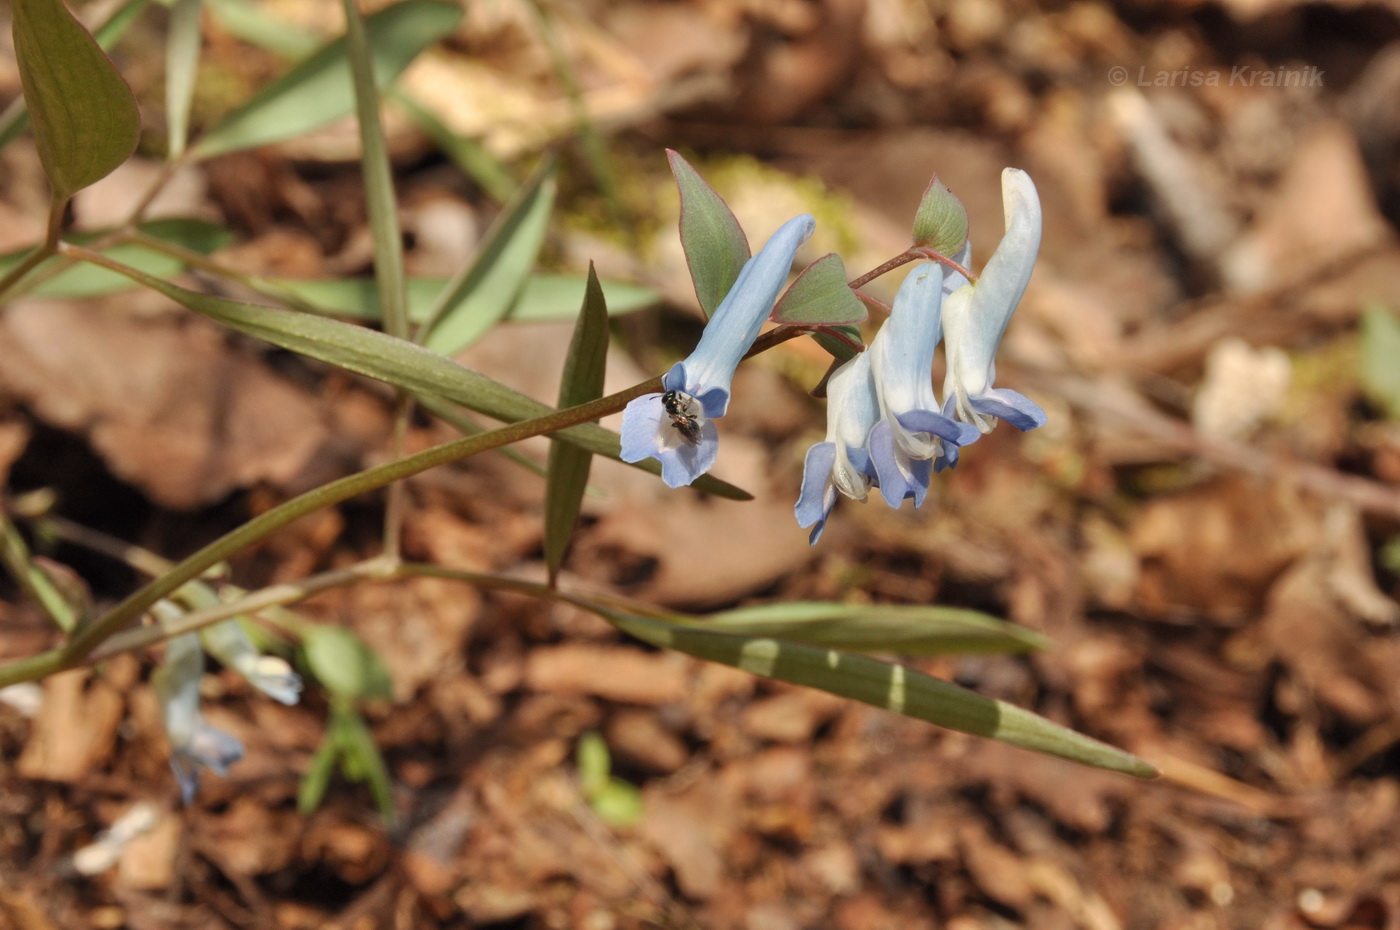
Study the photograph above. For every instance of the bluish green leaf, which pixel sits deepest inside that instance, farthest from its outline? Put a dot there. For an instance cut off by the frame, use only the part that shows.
(714, 243)
(881, 684)
(318, 91)
(82, 280)
(820, 297)
(247, 20)
(181, 64)
(482, 293)
(402, 364)
(1380, 358)
(941, 221)
(546, 297)
(84, 116)
(380, 200)
(568, 465)
(903, 630)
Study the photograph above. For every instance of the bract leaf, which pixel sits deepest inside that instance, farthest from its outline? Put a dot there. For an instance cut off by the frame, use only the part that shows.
(400, 363)
(568, 465)
(482, 293)
(904, 630)
(84, 280)
(882, 684)
(820, 296)
(941, 222)
(714, 243)
(84, 116)
(842, 347)
(318, 90)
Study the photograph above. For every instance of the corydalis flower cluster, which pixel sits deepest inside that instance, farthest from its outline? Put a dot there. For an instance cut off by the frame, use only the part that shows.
(885, 427)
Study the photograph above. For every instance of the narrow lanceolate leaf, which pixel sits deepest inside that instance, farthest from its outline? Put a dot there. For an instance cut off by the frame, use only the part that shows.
(820, 296)
(397, 362)
(545, 297)
(1380, 348)
(474, 160)
(482, 293)
(715, 245)
(181, 63)
(247, 20)
(568, 465)
(15, 119)
(882, 684)
(318, 90)
(84, 116)
(903, 630)
(378, 178)
(941, 222)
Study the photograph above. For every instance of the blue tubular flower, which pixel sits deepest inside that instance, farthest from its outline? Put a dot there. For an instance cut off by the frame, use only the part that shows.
(271, 675)
(193, 742)
(913, 431)
(675, 427)
(975, 317)
(841, 463)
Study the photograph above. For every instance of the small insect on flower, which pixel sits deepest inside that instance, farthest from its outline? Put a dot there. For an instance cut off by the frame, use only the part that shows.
(683, 410)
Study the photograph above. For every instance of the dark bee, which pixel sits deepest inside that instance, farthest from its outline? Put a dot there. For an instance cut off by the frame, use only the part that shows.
(681, 409)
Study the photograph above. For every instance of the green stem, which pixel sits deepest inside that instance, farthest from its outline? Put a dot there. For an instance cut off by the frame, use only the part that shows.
(40, 254)
(90, 637)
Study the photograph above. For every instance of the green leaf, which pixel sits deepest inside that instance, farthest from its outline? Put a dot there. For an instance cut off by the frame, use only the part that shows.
(881, 684)
(84, 116)
(181, 64)
(344, 664)
(714, 243)
(82, 280)
(482, 293)
(318, 91)
(467, 154)
(546, 297)
(360, 758)
(941, 222)
(1380, 358)
(250, 22)
(382, 204)
(903, 630)
(15, 119)
(820, 297)
(402, 364)
(616, 802)
(317, 779)
(568, 465)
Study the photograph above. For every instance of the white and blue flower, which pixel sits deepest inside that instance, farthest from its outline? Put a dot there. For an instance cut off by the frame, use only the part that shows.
(194, 744)
(840, 463)
(975, 317)
(913, 430)
(676, 427)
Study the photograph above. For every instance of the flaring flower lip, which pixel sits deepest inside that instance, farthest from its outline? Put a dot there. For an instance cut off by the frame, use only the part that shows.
(841, 463)
(687, 442)
(914, 430)
(976, 316)
(271, 675)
